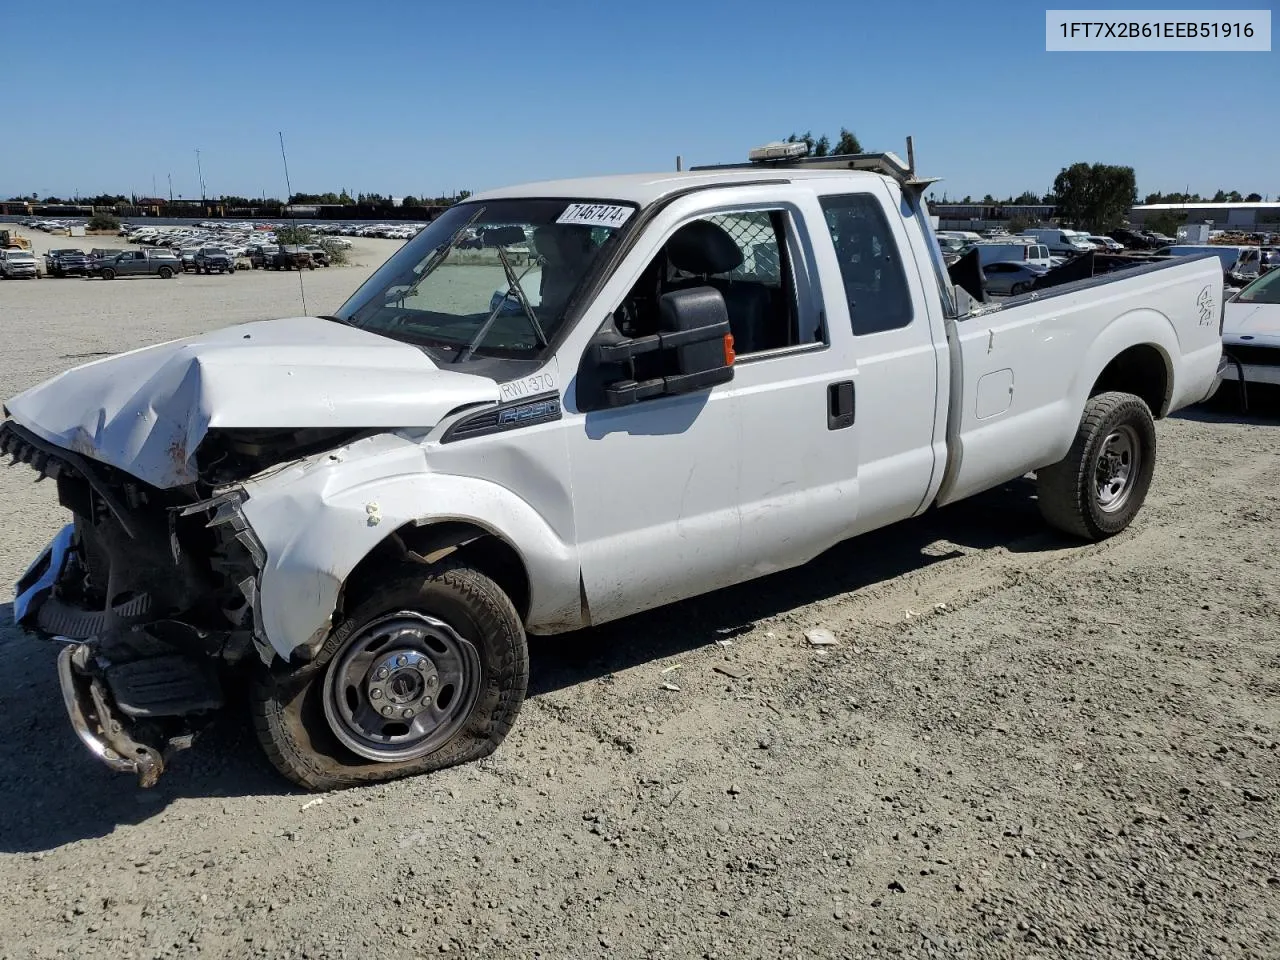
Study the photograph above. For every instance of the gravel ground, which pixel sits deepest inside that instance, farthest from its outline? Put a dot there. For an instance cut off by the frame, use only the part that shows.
(1020, 747)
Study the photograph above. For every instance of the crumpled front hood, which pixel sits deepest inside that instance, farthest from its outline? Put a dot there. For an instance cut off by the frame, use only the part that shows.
(146, 411)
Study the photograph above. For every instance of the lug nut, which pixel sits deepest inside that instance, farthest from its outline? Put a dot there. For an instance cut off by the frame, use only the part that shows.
(375, 694)
(401, 660)
(431, 681)
(382, 674)
(426, 701)
(387, 711)
(407, 714)
(422, 665)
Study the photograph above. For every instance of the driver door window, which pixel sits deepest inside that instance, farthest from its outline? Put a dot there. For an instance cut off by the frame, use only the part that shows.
(745, 256)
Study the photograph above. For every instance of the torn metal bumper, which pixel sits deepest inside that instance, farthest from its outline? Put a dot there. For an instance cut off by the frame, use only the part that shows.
(94, 723)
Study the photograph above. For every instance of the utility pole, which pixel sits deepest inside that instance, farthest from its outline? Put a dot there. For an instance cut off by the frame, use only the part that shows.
(171, 188)
(200, 174)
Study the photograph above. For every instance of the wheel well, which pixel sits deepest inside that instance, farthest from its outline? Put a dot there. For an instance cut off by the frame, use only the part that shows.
(1139, 370)
(430, 543)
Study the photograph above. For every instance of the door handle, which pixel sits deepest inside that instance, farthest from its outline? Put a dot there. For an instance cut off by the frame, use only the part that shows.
(841, 405)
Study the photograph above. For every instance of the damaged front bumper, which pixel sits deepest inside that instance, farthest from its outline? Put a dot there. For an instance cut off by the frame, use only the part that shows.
(98, 728)
(151, 598)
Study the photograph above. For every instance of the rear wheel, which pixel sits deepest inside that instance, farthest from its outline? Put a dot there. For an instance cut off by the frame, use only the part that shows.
(429, 671)
(1018, 289)
(165, 273)
(1099, 487)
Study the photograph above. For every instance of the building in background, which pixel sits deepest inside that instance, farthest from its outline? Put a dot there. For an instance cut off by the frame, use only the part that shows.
(1224, 216)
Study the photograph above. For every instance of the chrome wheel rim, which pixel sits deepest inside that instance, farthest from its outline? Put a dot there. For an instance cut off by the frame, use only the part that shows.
(1116, 469)
(401, 687)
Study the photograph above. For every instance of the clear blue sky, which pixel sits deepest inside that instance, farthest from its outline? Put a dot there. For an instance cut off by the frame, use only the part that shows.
(427, 98)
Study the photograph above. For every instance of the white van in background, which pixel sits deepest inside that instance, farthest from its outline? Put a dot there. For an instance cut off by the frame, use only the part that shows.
(1020, 249)
(1069, 242)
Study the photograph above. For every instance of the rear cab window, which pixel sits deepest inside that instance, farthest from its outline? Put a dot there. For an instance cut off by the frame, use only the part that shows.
(875, 282)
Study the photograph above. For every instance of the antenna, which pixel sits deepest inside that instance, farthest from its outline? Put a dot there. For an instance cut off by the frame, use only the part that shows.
(288, 196)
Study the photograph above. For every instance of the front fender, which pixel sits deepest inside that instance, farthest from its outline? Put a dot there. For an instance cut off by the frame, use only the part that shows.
(318, 519)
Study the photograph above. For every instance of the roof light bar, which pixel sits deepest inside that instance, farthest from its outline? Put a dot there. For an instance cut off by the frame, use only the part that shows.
(778, 150)
(779, 154)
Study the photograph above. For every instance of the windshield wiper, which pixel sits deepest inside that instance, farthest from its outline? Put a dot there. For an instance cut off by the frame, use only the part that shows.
(438, 257)
(513, 286)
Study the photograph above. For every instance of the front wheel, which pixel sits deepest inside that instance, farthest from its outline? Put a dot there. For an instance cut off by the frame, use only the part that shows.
(429, 671)
(1099, 487)
(107, 273)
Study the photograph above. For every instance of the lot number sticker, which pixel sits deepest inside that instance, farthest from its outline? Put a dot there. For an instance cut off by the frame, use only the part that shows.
(595, 214)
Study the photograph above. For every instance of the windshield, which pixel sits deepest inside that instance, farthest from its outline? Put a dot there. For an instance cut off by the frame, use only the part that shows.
(492, 278)
(1266, 289)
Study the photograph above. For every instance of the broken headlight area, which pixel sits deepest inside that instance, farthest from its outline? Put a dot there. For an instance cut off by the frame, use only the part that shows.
(232, 455)
(153, 591)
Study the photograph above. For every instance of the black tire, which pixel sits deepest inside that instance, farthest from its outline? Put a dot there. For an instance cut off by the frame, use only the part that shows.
(1080, 494)
(289, 701)
(107, 273)
(1018, 289)
(165, 273)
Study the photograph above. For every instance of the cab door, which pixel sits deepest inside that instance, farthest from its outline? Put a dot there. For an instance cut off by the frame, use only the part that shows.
(875, 298)
(675, 496)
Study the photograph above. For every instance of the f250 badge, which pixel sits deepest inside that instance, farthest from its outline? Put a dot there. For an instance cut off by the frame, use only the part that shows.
(1205, 303)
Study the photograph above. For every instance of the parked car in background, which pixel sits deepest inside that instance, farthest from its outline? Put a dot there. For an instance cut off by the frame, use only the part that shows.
(1010, 278)
(291, 258)
(1131, 239)
(18, 265)
(319, 255)
(137, 263)
(1251, 331)
(67, 263)
(213, 260)
(1105, 244)
(261, 254)
(1228, 255)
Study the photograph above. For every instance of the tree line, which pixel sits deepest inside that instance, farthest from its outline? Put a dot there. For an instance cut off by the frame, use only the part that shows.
(375, 200)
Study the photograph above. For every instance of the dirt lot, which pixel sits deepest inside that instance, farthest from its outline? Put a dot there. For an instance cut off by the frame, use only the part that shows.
(1021, 746)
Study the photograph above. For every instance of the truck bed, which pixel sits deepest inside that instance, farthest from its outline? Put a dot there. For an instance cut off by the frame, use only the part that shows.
(1025, 366)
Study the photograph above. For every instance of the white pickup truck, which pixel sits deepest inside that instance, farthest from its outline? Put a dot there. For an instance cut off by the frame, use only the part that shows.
(720, 374)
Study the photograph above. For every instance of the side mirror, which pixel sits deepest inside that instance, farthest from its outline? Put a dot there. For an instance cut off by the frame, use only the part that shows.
(692, 351)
